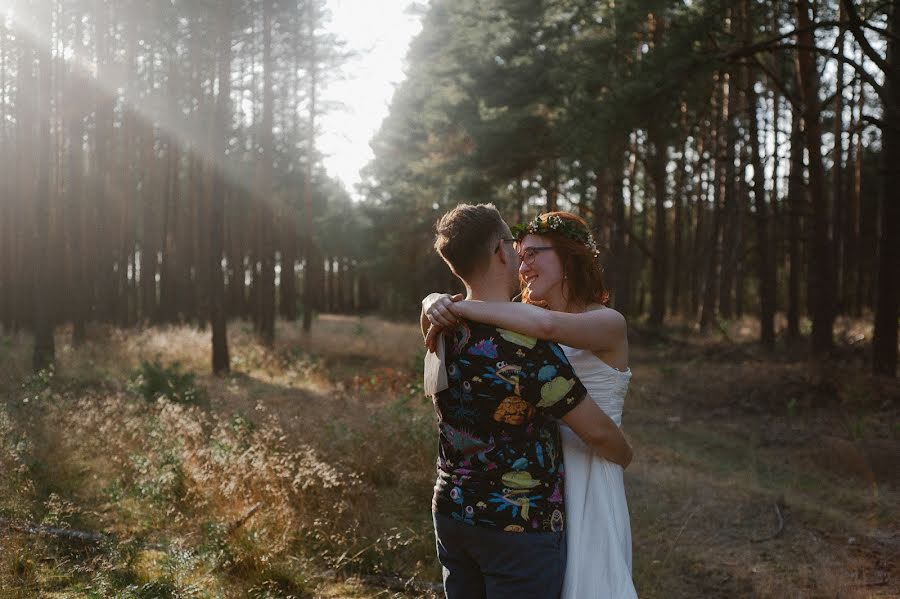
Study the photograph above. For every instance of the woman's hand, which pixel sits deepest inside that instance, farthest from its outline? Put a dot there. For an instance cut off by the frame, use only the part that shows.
(627, 453)
(438, 308)
(438, 311)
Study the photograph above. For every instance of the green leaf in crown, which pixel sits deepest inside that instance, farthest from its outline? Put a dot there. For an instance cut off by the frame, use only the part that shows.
(555, 224)
(519, 231)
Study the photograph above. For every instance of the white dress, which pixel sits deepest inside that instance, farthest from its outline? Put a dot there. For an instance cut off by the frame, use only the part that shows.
(598, 529)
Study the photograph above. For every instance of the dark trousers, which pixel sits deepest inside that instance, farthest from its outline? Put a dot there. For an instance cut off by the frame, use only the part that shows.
(481, 563)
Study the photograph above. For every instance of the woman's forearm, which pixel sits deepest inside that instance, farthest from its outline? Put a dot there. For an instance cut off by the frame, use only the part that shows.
(616, 449)
(594, 329)
(599, 432)
(522, 318)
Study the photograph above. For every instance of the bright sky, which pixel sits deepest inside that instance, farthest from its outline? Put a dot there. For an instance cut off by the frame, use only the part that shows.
(380, 32)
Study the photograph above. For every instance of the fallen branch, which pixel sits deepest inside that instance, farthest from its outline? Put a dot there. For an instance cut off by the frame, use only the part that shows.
(678, 536)
(778, 532)
(244, 517)
(52, 531)
(31, 528)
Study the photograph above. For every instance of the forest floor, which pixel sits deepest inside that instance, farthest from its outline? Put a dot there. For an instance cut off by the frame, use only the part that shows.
(308, 471)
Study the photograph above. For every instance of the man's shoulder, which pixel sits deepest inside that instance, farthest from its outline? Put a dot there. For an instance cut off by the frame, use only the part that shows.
(480, 339)
(479, 334)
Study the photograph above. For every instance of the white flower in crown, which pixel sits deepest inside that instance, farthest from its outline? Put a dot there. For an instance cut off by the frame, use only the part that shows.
(556, 224)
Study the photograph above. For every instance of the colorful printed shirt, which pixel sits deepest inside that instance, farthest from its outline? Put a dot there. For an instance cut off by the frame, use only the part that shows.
(500, 460)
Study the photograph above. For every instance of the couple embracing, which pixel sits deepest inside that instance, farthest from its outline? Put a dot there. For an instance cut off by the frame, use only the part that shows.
(529, 500)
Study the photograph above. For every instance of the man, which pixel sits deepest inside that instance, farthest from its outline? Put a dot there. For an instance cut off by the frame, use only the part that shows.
(498, 506)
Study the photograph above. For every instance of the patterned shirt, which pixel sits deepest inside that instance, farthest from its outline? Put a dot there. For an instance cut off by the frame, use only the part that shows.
(500, 460)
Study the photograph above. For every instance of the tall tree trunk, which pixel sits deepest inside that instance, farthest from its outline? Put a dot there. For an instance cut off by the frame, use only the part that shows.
(698, 217)
(722, 151)
(340, 285)
(856, 201)
(679, 200)
(884, 345)
(6, 191)
(625, 294)
(127, 183)
(77, 217)
(796, 204)
(658, 164)
(644, 236)
(327, 287)
(620, 230)
(766, 264)
(198, 234)
(660, 261)
(218, 143)
(288, 287)
(44, 346)
(21, 238)
(731, 198)
(821, 270)
(168, 275)
(149, 230)
(851, 273)
(551, 187)
(777, 228)
(601, 211)
(101, 167)
(312, 265)
(151, 196)
(839, 205)
(266, 291)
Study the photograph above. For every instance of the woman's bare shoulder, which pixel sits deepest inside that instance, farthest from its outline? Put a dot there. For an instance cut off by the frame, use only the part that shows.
(606, 310)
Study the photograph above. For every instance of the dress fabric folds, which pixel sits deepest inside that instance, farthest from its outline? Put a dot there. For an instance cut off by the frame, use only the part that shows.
(598, 527)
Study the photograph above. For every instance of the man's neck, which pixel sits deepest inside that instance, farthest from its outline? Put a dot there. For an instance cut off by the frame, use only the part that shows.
(484, 291)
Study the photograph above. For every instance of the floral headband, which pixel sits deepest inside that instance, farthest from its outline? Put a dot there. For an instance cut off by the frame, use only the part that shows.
(555, 224)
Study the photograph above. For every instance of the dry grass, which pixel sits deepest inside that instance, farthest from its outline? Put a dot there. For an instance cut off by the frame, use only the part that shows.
(250, 493)
(313, 464)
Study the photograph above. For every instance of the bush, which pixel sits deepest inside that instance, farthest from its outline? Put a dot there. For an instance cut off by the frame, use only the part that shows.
(155, 380)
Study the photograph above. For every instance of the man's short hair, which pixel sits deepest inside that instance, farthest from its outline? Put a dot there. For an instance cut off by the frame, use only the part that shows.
(465, 237)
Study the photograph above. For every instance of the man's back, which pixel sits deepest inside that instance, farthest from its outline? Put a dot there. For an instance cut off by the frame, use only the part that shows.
(500, 463)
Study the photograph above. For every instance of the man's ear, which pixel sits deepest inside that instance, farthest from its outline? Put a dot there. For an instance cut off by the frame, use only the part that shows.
(503, 259)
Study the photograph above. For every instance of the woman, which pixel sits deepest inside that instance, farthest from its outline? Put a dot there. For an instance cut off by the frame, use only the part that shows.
(564, 299)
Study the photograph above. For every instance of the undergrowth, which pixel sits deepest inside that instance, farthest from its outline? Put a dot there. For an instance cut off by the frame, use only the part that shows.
(313, 463)
(191, 501)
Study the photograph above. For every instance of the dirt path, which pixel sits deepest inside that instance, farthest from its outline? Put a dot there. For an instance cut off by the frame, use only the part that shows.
(757, 477)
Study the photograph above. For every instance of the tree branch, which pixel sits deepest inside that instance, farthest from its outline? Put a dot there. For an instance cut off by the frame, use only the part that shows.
(779, 83)
(759, 46)
(873, 120)
(860, 70)
(855, 26)
(778, 530)
(765, 44)
(828, 100)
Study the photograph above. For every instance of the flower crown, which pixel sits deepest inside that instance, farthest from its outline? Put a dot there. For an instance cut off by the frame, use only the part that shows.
(555, 224)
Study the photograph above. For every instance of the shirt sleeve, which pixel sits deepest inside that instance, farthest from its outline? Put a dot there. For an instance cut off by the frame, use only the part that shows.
(548, 382)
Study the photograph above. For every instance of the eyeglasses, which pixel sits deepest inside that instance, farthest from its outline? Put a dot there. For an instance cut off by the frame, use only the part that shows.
(504, 239)
(528, 254)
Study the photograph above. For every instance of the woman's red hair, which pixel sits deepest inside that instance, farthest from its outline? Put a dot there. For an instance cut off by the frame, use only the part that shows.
(581, 268)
